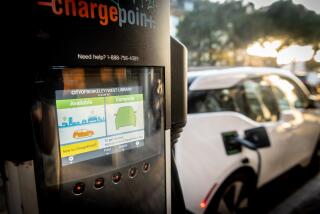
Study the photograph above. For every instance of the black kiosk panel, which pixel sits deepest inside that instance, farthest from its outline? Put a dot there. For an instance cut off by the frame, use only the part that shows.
(100, 107)
(102, 134)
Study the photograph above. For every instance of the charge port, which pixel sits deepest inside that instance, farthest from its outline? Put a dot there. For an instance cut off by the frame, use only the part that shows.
(231, 145)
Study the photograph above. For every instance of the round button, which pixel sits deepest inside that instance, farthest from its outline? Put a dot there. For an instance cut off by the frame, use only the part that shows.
(116, 177)
(146, 167)
(132, 172)
(79, 188)
(99, 183)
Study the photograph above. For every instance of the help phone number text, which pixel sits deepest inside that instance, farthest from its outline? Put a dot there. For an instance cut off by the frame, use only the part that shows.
(115, 57)
(108, 57)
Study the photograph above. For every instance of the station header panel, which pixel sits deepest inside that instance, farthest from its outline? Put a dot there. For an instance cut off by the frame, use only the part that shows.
(103, 32)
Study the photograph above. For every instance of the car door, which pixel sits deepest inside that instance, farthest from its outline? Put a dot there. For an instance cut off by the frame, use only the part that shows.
(262, 108)
(303, 127)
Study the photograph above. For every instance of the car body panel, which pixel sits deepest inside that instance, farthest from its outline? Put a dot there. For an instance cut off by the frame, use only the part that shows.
(201, 158)
(199, 163)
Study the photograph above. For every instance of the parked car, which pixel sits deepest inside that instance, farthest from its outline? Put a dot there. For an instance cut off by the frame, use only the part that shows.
(217, 178)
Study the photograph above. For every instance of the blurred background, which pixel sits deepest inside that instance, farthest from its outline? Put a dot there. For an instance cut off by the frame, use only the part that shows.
(273, 33)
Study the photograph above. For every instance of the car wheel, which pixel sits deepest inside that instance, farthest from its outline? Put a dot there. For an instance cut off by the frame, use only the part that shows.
(233, 197)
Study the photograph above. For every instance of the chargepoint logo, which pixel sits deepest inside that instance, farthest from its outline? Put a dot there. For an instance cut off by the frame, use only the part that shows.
(106, 14)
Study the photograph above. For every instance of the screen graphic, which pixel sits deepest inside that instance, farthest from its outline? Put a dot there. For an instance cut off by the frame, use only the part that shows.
(98, 122)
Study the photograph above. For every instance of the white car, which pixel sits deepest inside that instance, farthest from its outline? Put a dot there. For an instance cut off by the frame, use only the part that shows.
(218, 176)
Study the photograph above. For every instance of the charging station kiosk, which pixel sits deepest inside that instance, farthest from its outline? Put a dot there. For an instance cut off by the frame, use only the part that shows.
(100, 112)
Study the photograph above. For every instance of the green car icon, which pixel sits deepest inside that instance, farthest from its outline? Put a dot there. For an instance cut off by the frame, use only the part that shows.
(125, 116)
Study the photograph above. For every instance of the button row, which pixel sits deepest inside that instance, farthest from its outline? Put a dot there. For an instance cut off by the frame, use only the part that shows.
(79, 188)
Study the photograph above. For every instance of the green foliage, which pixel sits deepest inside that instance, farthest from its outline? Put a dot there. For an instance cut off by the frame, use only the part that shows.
(213, 30)
(293, 21)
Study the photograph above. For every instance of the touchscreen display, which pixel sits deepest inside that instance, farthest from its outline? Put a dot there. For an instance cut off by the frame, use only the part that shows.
(98, 122)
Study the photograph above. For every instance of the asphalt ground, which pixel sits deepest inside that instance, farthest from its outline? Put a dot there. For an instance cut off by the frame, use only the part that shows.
(295, 192)
(304, 200)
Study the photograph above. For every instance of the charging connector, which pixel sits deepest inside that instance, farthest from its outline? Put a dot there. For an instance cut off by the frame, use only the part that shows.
(252, 147)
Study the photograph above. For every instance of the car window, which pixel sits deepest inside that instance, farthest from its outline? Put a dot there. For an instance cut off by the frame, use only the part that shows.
(196, 101)
(283, 102)
(253, 100)
(211, 100)
(301, 99)
(288, 93)
(271, 112)
(262, 106)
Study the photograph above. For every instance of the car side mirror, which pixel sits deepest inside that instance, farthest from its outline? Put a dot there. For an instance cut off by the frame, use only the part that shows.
(287, 116)
(258, 136)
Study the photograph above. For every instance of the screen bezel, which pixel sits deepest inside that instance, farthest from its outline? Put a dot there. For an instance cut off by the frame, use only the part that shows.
(65, 174)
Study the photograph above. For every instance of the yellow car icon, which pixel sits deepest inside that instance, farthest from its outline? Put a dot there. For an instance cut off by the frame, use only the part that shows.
(82, 133)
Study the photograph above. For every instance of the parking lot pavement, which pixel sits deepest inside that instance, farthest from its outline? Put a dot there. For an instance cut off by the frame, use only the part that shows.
(305, 200)
(293, 192)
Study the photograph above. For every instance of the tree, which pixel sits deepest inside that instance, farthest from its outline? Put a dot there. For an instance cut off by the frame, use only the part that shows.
(216, 32)
(293, 21)
(213, 28)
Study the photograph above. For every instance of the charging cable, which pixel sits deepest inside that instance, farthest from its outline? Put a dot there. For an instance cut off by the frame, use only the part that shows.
(252, 147)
